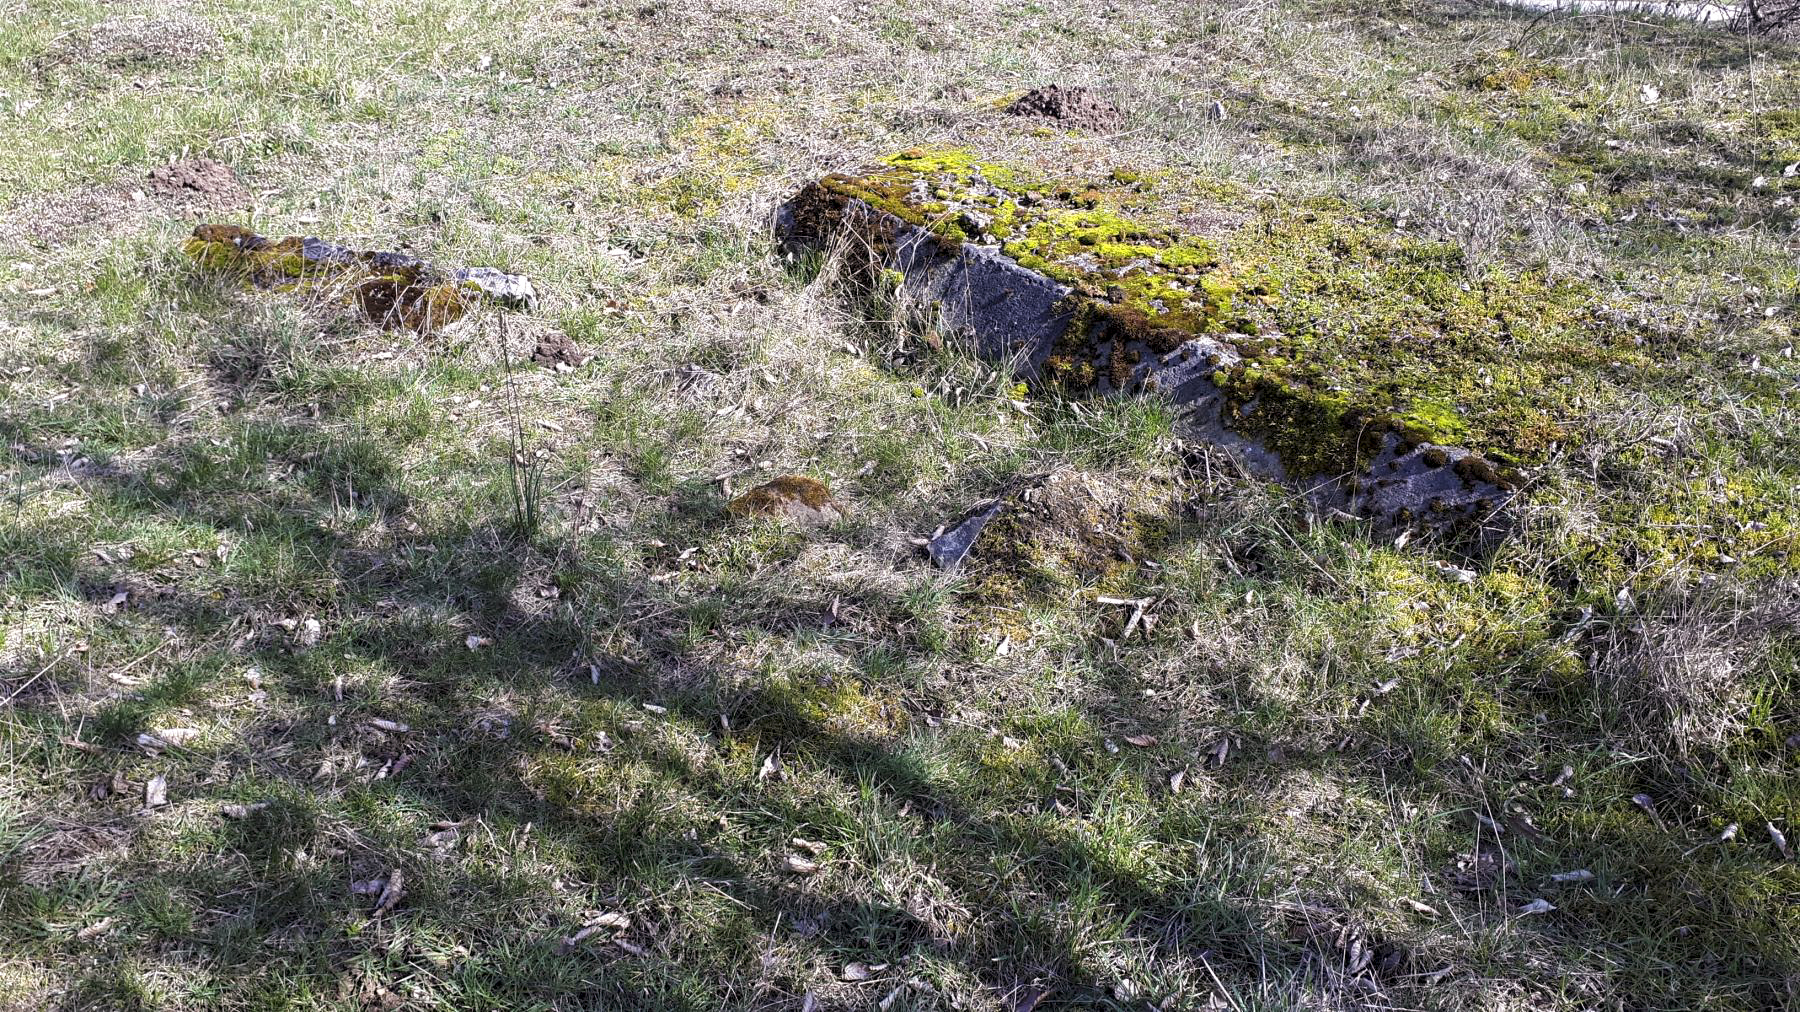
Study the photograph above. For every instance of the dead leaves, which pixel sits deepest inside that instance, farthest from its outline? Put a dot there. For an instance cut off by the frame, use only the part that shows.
(801, 866)
(168, 737)
(805, 865)
(156, 791)
(391, 893)
(610, 924)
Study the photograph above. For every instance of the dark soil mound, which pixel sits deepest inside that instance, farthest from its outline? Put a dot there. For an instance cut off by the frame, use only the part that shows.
(556, 351)
(1078, 107)
(199, 181)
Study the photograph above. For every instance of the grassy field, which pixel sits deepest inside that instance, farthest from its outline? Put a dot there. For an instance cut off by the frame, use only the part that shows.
(647, 755)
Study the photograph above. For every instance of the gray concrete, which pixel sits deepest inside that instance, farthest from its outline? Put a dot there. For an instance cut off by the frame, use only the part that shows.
(1009, 314)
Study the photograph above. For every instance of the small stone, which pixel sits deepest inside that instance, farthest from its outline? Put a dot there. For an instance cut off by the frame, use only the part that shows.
(792, 496)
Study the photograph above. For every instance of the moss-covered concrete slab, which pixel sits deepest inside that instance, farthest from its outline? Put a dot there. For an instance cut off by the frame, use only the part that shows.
(391, 289)
(1375, 369)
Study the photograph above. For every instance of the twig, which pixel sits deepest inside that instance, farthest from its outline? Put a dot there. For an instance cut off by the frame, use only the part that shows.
(60, 654)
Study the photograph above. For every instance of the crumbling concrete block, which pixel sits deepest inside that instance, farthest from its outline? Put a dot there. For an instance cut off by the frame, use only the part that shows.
(1375, 370)
(390, 289)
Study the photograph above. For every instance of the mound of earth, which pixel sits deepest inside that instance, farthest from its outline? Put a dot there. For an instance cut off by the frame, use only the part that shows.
(1377, 370)
(1082, 108)
(199, 182)
(557, 351)
(793, 497)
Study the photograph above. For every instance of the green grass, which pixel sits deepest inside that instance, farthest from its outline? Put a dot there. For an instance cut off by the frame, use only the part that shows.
(247, 514)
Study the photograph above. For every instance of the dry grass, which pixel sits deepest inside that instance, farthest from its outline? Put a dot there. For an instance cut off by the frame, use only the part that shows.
(1326, 772)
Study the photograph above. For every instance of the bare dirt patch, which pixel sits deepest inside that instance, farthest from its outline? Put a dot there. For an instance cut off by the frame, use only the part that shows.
(134, 40)
(1082, 108)
(58, 218)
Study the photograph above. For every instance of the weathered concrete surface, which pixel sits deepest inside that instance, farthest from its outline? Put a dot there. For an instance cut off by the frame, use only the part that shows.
(391, 289)
(1114, 342)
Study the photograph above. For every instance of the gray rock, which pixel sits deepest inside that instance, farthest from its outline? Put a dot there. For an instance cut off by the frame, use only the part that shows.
(948, 549)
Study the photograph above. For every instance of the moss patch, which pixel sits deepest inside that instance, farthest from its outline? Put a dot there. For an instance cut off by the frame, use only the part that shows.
(1066, 531)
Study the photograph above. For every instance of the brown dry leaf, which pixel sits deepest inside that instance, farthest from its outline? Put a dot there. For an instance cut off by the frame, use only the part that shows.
(856, 972)
(1219, 752)
(612, 920)
(156, 792)
(1176, 779)
(390, 893)
(572, 942)
(1141, 740)
(168, 737)
(801, 866)
(609, 922)
(812, 847)
(96, 929)
(771, 768)
(1027, 999)
(1520, 823)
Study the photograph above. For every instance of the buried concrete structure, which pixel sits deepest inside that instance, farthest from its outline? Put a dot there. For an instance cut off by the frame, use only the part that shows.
(1374, 370)
(392, 290)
